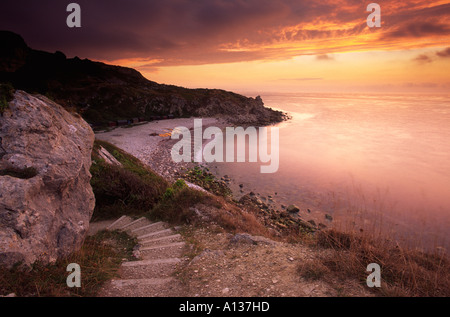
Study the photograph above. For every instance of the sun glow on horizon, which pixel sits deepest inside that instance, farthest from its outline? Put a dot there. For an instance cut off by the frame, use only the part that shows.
(399, 70)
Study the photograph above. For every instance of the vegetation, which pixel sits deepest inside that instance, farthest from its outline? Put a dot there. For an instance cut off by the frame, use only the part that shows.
(404, 272)
(175, 208)
(134, 190)
(100, 258)
(6, 95)
(203, 178)
(131, 189)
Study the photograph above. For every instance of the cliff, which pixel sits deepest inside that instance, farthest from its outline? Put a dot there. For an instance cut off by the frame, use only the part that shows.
(103, 93)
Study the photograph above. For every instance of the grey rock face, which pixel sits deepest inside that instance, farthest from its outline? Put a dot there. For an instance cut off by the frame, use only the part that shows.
(45, 213)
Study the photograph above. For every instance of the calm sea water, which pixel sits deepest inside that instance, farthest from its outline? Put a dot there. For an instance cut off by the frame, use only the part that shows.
(374, 160)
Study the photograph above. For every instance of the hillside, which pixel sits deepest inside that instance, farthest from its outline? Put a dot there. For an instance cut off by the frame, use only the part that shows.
(103, 93)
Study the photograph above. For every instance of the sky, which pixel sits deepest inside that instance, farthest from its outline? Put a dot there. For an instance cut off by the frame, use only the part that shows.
(252, 45)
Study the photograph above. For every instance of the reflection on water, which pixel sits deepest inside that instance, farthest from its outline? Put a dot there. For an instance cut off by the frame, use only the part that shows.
(383, 157)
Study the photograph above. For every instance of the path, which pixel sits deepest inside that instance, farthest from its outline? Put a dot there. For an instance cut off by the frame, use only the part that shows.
(160, 251)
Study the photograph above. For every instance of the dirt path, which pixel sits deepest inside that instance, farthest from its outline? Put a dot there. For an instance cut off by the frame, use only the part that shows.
(207, 262)
(247, 266)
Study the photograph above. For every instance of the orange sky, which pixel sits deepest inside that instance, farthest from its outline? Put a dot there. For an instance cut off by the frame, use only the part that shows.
(253, 45)
(369, 71)
(328, 53)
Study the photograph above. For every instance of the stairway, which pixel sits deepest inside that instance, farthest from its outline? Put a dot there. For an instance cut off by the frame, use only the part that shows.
(160, 251)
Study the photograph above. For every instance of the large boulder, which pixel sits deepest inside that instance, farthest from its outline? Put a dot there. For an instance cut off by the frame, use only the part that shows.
(46, 200)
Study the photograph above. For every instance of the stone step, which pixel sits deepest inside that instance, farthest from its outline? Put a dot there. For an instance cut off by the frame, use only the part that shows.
(140, 282)
(156, 234)
(157, 226)
(146, 269)
(119, 223)
(160, 248)
(135, 224)
(97, 226)
(149, 287)
(151, 262)
(166, 239)
(171, 250)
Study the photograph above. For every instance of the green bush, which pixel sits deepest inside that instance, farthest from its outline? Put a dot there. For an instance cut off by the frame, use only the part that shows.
(169, 193)
(179, 184)
(205, 179)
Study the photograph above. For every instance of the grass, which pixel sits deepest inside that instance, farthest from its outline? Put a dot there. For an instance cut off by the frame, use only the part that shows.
(313, 270)
(343, 254)
(404, 272)
(99, 258)
(134, 190)
(203, 178)
(131, 189)
(175, 207)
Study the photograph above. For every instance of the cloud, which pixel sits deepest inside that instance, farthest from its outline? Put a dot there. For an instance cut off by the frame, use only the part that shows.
(423, 59)
(444, 53)
(193, 32)
(324, 57)
(418, 30)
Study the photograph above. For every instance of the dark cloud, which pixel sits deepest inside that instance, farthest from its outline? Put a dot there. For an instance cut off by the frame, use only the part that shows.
(444, 53)
(416, 22)
(418, 30)
(182, 32)
(120, 28)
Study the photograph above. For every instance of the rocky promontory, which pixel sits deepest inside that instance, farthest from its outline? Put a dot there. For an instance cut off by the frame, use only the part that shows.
(102, 93)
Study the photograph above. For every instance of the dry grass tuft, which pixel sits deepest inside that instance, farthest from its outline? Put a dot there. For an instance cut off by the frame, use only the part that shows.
(404, 272)
(313, 269)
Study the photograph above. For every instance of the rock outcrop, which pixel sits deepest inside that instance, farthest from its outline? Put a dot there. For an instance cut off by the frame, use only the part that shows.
(46, 200)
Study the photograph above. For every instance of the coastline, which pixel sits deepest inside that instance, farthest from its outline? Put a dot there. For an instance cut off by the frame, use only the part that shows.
(151, 143)
(325, 253)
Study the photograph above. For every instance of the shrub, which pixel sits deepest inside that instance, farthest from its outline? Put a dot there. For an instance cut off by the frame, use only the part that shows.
(176, 208)
(179, 184)
(6, 95)
(169, 193)
(131, 189)
(205, 179)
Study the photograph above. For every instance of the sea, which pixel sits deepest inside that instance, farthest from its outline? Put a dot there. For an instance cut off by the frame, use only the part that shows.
(378, 163)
